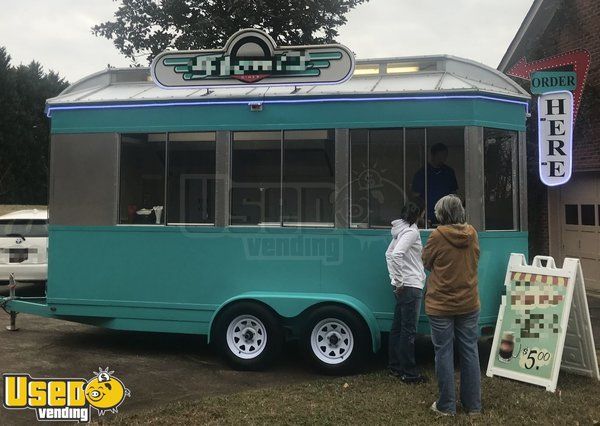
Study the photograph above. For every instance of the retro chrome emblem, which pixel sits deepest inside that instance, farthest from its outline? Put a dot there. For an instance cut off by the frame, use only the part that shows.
(19, 240)
(251, 57)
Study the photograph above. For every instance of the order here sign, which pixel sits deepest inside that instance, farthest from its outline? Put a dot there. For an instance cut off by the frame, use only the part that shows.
(552, 81)
(559, 80)
(555, 133)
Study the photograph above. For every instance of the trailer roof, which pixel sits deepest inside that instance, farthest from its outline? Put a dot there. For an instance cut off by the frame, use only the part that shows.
(420, 75)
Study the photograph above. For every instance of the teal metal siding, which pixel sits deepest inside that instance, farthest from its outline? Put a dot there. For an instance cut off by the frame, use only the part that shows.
(339, 114)
(175, 279)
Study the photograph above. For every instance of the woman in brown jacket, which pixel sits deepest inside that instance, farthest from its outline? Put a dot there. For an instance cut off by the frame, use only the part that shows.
(452, 304)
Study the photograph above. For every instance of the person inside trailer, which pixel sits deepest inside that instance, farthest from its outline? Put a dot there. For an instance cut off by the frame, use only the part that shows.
(441, 180)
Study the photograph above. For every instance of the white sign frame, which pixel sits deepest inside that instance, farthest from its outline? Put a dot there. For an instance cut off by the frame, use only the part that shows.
(261, 48)
(572, 271)
(549, 136)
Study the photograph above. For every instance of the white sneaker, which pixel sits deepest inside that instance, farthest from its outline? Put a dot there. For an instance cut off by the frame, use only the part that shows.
(438, 412)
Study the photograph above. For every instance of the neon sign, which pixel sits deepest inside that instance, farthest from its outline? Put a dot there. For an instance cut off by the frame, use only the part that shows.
(555, 133)
(251, 57)
(557, 108)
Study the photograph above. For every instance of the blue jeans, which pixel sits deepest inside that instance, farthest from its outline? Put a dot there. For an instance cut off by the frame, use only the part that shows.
(403, 332)
(443, 331)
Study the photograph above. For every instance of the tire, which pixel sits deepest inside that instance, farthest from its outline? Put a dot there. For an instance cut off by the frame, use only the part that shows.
(336, 340)
(248, 336)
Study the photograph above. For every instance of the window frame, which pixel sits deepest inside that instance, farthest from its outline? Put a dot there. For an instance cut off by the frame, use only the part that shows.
(165, 179)
(405, 183)
(516, 182)
(119, 175)
(342, 185)
(330, 139)
(230, 181)
(281, 223)
(167, 162)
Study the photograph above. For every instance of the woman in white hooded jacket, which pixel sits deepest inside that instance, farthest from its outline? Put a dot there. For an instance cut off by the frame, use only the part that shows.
(407, 277)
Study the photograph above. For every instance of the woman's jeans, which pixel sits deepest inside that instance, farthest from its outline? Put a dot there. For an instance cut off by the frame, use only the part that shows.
(443, 331)
(403, 332)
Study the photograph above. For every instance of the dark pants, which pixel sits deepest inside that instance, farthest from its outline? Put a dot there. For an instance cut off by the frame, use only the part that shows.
(404, 331)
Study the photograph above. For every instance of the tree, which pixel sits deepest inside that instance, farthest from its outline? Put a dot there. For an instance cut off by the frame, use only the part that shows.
(24, 130)
(147, 27)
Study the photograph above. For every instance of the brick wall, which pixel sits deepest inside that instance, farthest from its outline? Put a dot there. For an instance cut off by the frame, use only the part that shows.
(575, 25)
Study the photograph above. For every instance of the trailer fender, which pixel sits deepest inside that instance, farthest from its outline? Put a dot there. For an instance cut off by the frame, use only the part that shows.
(290, 305)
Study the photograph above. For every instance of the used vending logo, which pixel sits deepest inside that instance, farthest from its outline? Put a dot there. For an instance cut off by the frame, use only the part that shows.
(60, 399)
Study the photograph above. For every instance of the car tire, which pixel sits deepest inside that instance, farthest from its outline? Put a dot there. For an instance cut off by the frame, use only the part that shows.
(337, 340)
(248, 335)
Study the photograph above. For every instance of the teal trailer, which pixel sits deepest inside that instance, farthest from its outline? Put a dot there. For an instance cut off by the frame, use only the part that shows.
(256, 214)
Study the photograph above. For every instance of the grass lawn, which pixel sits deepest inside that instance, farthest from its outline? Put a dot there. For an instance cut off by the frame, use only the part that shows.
(375, 398)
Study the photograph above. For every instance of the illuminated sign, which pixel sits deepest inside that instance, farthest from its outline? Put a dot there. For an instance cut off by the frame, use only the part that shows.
(555, 137)
(560, 96)
(579, 60)
(251, 57)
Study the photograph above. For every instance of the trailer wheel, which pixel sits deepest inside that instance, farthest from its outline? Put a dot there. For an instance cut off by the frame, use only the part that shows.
(248, 335)
(336, 340)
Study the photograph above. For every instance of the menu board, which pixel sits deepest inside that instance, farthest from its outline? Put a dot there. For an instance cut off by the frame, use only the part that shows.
(533, 323)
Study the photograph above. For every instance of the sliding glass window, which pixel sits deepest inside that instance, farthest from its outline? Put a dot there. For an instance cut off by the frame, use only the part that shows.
(142, 179)
(191, 178)
(359, 178)
(500, 165)
(416, 153)
(445, 168)
(386, 176)
(388, 169)
(308, 178)
(256, 178)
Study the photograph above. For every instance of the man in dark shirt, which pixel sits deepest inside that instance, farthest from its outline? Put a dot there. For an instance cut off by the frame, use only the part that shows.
(441, 179)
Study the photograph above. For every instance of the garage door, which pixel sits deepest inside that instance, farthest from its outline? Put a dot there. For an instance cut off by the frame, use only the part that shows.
(580, 225)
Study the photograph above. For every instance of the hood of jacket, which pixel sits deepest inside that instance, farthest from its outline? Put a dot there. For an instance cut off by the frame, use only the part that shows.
(398, 226)
(460, 236)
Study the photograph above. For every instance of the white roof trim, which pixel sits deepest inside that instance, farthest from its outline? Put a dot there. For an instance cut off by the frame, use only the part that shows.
(134, 84)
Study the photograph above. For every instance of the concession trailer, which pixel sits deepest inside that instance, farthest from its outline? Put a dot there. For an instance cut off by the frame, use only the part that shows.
(246, 193)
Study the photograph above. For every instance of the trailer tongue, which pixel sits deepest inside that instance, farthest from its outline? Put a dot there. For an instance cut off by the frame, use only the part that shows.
(14, 304)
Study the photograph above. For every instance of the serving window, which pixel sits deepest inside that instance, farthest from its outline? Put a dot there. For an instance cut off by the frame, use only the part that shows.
(142, 179)
(191, 178)
(388, 169)
(178, 167)
(283, 178)
(256, 178)
(308, 178)
(500, 171)
(288, 178)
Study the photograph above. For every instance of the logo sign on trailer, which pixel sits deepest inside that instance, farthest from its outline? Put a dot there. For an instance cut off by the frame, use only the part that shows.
(544, 324)
(251, 57)
(555, 133)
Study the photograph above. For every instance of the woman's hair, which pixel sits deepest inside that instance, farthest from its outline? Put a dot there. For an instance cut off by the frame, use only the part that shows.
(450, 211)
(411, 211)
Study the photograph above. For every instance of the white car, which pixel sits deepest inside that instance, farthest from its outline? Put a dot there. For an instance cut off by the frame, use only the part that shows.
(24, 246)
